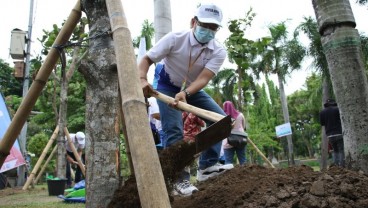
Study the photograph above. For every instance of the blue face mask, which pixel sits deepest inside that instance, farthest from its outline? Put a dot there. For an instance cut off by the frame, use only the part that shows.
(203, 35)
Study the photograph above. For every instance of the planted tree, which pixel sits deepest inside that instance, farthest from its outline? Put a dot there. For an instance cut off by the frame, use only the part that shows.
(102, 108)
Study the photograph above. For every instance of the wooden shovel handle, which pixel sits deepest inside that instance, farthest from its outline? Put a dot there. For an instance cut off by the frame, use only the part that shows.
(209, 115)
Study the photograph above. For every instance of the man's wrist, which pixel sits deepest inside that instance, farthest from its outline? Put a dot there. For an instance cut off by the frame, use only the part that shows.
(187, 93)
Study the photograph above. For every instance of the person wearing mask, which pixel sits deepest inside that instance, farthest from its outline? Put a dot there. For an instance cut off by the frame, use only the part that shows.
(238, 126)
(188, 61)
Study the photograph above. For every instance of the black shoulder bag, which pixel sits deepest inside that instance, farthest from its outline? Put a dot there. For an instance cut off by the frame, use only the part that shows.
(237, 139)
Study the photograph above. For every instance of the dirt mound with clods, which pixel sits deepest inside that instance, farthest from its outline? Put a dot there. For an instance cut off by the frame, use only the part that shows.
(256, 186)
(173, 160)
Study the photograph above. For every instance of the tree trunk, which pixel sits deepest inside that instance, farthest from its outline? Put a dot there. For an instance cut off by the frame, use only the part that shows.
(102, 106)
(61, 159)
(285, 112)
(66, 76)
(342, 46)
(162, 18)
(308, 146)
(240, 97)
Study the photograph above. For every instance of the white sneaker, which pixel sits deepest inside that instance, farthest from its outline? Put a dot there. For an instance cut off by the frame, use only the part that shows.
(184, 188)
(212, 171)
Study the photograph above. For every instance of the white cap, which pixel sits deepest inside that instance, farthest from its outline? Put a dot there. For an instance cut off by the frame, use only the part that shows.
(81, 138)
(209, 13)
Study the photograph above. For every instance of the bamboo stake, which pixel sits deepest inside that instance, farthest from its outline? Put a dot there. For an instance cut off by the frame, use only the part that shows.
(76, 155)
(260, 153)
(38, 164)
(29, 101)
(44, 165)
(127, 149)
(152, 190)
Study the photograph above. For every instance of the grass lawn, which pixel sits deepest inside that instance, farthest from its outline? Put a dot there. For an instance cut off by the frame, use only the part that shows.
(33, 198)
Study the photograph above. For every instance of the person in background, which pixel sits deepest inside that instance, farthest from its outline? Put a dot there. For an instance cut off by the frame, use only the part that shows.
(330, 118)
(154, 118)
(238, 125)
(79, 141)
(192, 126)
(188, 61)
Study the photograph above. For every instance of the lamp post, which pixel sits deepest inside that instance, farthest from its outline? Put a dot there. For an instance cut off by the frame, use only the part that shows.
(23, 133)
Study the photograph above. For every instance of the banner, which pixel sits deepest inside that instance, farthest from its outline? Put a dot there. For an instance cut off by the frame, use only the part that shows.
(15, 158)
(283, 130)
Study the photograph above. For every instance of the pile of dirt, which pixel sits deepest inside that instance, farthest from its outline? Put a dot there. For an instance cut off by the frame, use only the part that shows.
(256, 186)
(173, 160)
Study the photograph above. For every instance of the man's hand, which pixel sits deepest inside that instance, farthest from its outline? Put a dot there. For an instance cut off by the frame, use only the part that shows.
(181, 96)
(147, 88)
(143, 67)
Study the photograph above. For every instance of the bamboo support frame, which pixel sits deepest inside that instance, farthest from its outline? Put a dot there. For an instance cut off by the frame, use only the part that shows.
(152, 190)
(44, 165)
(39, 161)
(38, 84)
(76, 155)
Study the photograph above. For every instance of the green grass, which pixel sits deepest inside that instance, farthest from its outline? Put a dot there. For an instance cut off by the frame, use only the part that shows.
(311, 163)
(45, 205)
(33, 198)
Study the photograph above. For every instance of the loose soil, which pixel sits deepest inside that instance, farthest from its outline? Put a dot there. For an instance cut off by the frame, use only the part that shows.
(256, 186)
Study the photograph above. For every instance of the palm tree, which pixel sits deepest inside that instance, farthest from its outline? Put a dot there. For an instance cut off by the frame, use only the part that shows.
(280, 57)
(342, 46)
(147, 33)
(223, 85)
(315, 49)
(162, 18)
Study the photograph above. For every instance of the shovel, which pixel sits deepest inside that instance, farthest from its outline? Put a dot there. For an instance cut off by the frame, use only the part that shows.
(211, 135)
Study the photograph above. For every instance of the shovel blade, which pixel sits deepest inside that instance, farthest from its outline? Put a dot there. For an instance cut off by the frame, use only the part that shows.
(213, 134)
